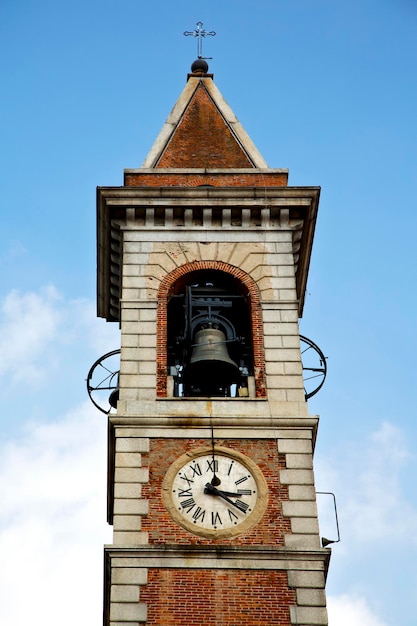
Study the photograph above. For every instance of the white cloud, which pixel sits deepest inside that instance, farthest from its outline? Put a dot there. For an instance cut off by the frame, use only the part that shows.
(28, 324)
(346, 610)
(367, 477)
(52, 525)
(39, 330)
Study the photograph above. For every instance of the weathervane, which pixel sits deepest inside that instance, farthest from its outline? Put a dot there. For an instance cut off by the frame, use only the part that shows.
(200, 33)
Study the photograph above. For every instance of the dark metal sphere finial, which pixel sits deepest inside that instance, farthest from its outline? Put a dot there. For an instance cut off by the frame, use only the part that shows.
(199, 66)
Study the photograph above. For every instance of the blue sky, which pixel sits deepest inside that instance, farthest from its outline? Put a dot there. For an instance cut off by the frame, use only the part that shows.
(325, 88)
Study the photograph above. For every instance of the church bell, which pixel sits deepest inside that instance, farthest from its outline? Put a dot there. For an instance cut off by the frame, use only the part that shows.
(210, 368)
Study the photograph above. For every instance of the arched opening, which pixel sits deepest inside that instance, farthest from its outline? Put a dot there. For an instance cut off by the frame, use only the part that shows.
(209, 335)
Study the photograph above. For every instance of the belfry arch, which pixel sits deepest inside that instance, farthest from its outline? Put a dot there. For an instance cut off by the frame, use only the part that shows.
(217, 294)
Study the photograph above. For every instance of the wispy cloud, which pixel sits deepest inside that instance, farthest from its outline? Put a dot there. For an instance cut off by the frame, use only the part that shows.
(347, 610)
(368, 479)
(52, 525)
(29, 323)
(41, 333)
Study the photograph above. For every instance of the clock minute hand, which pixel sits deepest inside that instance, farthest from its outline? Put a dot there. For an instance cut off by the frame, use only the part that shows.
(230, 493)
(215, 492)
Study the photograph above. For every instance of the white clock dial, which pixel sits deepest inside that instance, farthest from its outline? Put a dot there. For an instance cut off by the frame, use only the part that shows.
(216, 493)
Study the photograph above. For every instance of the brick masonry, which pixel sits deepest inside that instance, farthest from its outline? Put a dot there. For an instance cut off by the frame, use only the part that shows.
(220, 597)
(161, 529)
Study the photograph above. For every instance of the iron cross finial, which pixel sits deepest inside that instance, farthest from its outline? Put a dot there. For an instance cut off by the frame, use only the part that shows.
(200, 33)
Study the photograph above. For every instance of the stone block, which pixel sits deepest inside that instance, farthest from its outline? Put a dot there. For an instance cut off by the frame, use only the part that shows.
(130, 270)
(131, 475)
(285, 382)
(296, 477)
(147, 354)
(305, 525)
(307, 579)
(131, 255)
(127, 506)
(147, 315)
(147, 341)
(308, 616)
(128, 459)
(127, 522)
(126, 443)
(301, 492)
(287, 271)
(146, 328)
(283, 354)
(124, 593)
(299, 509)
(129, 341)
(296, 446)
(131, 295)
(287, 294)
(311, 597)
(129, 576)
(131, 328)
(272, 341)
(299, 461)
(274, 368)
(127, 490)
(129, 367)
(302, 542)
(130, 353)
(130, 538)
(130, 315)
(147, 367)
(292, 341)
(289, 315)
(128, 612)
(296, 395)
(141, 381)
(293, 368)
(278, 395)
(286, 281)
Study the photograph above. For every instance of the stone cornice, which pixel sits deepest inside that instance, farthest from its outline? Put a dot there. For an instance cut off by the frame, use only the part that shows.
(261, 211)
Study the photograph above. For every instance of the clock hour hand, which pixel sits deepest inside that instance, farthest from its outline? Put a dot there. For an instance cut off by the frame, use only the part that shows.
(215, 492)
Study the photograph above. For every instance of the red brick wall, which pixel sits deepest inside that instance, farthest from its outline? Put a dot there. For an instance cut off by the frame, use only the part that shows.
(202, 138)
(216, 179)
(163, 530)
(165, 290)
(221, 597)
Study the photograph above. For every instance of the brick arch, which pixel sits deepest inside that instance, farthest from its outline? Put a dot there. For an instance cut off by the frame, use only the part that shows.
(165, 290)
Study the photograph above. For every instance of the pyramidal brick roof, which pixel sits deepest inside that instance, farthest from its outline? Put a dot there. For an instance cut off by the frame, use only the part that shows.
(203, 132)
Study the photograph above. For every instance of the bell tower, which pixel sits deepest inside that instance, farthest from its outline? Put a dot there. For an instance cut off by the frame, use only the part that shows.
(203, 257)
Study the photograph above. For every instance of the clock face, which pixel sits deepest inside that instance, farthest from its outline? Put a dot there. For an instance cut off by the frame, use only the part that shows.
(215, 493)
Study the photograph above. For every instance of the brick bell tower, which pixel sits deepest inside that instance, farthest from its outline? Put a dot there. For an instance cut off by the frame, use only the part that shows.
(203, 257)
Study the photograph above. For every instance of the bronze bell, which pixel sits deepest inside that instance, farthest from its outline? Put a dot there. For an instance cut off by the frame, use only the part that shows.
(114, 398)
(211, 368)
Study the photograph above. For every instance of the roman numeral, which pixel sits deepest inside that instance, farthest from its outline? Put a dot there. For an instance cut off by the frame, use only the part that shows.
(199, 513)
(212, 466)
(189, 481)
(232, 516)
(188, 504)
(196, 469)
(215, 518)
(185, 493)
(244, 492)
(241, 505)
(230, 468)
(241, 480)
